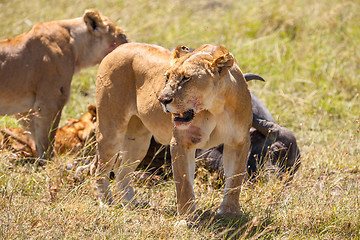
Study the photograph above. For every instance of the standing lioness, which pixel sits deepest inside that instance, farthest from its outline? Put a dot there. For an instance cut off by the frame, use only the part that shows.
(36, 69)
(210, 104)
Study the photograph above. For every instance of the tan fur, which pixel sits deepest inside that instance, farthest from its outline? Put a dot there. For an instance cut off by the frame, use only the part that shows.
(208, 81)
(71, 138)
(17, 142)
(36, 69)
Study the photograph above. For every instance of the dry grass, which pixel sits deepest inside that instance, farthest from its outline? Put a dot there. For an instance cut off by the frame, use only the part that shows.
(308, 51)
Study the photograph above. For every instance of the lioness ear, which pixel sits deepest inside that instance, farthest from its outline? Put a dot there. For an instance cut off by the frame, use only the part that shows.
(223, 63)
(92, 110)
(180, 51)
(94, 22)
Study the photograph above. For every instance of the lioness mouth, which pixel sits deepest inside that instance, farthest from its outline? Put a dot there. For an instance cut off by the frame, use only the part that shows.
(184, 117)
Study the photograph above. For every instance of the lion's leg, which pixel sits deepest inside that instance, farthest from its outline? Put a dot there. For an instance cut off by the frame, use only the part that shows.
(234, 160)
(26, 120)
(134, 149)
(109, 141)
(43, 126)
(183, 165)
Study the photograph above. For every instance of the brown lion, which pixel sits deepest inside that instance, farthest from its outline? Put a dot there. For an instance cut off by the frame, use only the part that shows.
(76, 136)
(209, 101)
(36, 69)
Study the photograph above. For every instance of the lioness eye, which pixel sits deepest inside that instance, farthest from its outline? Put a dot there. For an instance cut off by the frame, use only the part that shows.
(167, 78)
(186, 78)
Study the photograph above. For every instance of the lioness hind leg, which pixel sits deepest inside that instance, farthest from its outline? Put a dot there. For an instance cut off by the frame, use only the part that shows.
(109, 144)
(26, 120)
(133, 150)
(234, 160)
(43, 127)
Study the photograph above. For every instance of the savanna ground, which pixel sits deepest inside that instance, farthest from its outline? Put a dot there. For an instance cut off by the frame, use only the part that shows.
(308, 51)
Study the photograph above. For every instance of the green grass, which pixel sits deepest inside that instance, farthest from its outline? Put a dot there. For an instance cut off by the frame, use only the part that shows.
(308, 52)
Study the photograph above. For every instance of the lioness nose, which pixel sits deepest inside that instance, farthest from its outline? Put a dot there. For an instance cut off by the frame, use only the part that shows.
(164, 99)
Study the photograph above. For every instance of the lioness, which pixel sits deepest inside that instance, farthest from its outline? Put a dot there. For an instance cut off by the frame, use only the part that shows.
(70, 138)
(36, 69)
(210, 103)
(76, 133)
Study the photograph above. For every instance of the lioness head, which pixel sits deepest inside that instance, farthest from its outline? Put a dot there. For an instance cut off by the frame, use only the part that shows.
(100, 25)
(100, 37)
(193, 80)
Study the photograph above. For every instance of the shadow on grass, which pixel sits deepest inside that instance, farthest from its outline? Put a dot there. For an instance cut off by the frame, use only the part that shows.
(236, 226)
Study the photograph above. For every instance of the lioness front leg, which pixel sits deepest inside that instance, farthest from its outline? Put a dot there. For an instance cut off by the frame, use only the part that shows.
(183, 165)
(234, 160)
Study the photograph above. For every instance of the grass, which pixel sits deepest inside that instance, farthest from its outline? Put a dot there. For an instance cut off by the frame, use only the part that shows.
(308, 53)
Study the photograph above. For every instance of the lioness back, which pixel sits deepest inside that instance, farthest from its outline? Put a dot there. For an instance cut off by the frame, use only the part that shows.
(33, 54)
(132, 76)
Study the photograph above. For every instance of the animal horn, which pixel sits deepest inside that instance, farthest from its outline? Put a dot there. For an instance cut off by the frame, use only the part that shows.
(252, 76)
